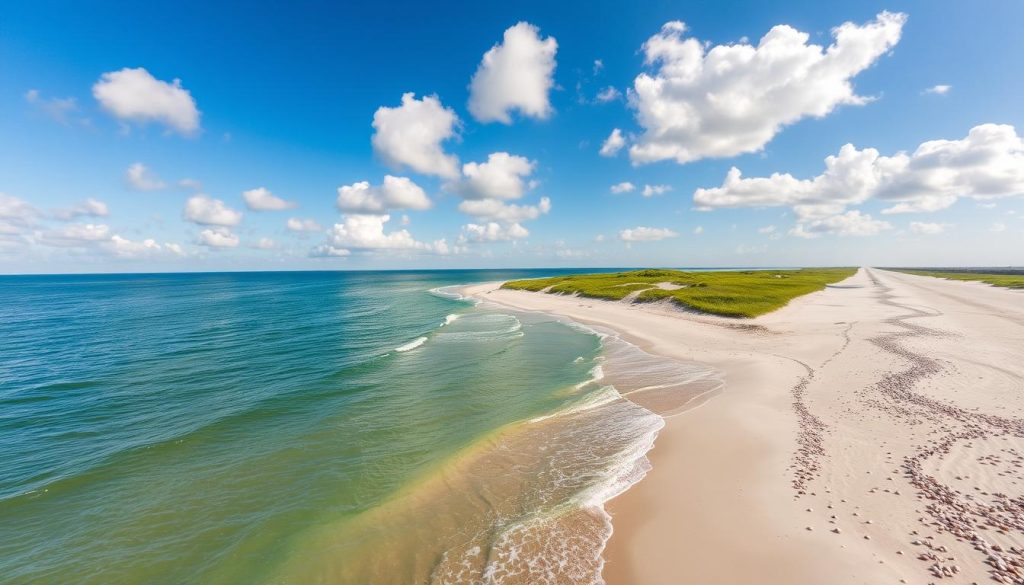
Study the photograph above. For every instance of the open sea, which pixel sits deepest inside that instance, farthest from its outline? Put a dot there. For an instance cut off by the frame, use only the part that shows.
(322, 427)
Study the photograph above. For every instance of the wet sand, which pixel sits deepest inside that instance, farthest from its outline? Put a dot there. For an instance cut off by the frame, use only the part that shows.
(872, 432)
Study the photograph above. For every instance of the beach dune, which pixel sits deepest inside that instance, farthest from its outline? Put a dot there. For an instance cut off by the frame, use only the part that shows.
(872, 432)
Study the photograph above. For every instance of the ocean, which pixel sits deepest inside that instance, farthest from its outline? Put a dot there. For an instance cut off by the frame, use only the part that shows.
(313, 427)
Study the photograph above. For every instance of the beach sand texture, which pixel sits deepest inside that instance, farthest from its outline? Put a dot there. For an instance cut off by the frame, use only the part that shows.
(872, 432)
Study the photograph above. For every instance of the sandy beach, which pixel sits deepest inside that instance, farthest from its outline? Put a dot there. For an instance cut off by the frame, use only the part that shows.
(872, 432)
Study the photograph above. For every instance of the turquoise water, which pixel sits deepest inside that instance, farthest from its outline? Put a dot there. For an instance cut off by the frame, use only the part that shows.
(265, 428)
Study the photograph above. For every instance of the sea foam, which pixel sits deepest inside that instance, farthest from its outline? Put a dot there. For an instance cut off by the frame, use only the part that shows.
(412, 344)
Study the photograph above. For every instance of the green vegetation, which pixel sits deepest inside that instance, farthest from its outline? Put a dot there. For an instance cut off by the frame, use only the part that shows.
(1009, 280)
(734, 293)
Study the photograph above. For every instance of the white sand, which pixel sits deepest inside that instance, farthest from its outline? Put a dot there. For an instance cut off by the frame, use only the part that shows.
(841, 396)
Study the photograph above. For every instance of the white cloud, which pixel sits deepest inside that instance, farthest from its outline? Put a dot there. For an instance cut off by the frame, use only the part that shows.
(766, 230)
(261, 199)
(613, 144)
(125, 248)
(88, 208)
(204, 210)
(366, 232)
(493, 209)
(296, 224)
(927, 228)
(218, 237)
(395, 193)
(646, 234)
(492, 232)
(851, 223)
(516, 74)
(608, 94)
(15, 210)
(987, 164)
(328, 251)
(16, 216)
(411, 135)
(731, 99)
(698, 230)
(997, 227)
(265, 244)
(598, 66)
(57, 109)
(623, 187)
(652, 190)
(503, 176)
(133, 95)
(99, 237)
(76, 235)
(486, 189)
(139, 177)
(939, 89)
(923, 204)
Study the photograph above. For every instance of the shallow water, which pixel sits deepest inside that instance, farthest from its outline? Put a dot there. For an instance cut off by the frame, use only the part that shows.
(308, 428)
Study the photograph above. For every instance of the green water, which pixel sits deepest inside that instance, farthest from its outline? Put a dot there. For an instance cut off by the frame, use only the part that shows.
(194, 428)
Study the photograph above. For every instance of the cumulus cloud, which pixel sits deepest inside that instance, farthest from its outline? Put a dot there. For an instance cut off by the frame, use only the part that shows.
(623, 187)
(125, 248)
(261, 199)
(218, 237)
(646, 234)
(88, 208)
(699, 103)
(100, 238)
(851, 223)
(296, 224)
(698, 230)
(140, 178)
(133, 95)
(613, 144)
(652, 190)
(987, 164)
(997, 227)
(939, 89)
(487, 188)
(410, 135)
(205, 210)
(927, 228)
(366, 232)
(394, 193)
(493, 209)
(516, 74)
(503, 176)
(492, 232)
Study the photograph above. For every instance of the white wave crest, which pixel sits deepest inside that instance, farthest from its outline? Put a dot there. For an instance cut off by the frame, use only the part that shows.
(412, 344)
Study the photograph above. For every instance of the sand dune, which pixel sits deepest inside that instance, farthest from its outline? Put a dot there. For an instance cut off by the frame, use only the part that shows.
(872, 432)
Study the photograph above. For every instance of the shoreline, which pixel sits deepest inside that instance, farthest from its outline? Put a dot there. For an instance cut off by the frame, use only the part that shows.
(799, 413)
(702, 524)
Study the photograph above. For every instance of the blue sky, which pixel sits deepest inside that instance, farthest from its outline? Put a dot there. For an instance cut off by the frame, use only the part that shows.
(284, 98)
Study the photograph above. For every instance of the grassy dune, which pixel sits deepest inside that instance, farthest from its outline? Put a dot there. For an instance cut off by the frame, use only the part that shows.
(740, 293)
(1006, 280)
